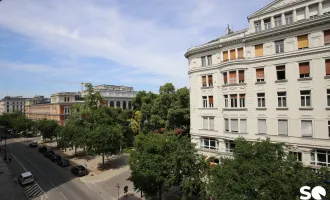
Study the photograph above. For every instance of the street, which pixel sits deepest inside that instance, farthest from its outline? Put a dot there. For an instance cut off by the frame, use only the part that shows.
(57, 183)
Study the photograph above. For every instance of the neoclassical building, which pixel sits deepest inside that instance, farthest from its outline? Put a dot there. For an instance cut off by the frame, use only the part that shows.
(12, 104)
(270, 80)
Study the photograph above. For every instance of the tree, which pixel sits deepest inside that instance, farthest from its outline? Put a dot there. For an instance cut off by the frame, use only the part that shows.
(136, 122)
(260, 170)
(47, 128)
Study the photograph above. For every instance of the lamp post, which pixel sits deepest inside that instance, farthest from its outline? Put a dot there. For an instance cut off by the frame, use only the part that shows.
(5, 157)
(118, 186)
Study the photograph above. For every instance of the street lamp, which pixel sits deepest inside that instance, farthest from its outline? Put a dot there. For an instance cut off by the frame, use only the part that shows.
(5, 157)
(118, 186)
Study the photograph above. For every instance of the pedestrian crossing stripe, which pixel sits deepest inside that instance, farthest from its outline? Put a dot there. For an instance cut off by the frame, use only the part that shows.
(33, 190)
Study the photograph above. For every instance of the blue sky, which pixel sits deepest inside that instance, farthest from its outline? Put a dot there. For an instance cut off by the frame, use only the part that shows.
(44, 45)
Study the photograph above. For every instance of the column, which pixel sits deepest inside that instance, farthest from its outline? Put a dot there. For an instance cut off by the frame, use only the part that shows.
(121, 104)
(236, 53)
(228, 54)
(283, 19)
(228, 80)
(306, 12)
(272, 22)
(262, 25)
(294, 15)
(320, 8)
(237, 76)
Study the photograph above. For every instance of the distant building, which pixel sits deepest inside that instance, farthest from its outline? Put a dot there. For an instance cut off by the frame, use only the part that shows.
(12, 104)
(55, 108)
(117, 96)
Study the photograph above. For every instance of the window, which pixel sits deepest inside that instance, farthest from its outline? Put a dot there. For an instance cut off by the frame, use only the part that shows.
(326, 7)
(301, 14)
(306, 128)
(280, 71)
(328, 97)
(278, 21)
(259, 50)
(260, 75)
(282, 127)
(305, 98)
(281, 99)
(211, 101)
(203, 81)
(313, 10)
(210, 80)
(68, 99)
(233, 100)
(320, 157)
(241, 76)
(227, 125)
(209, 143)
(233, 54)
(261, 100)
(232, 77)
(204, 101)
(211, 123)
(208, 123)
(209, 60)
(242, 100)
(203, 61)
(327, 37)
(240, 53)
(225, 56)
(234, 125)
(226, 100)
(225, 79)
(243, 126)
(267, 24)
(302, 41)
(64, 99)
(304, 70)
(329, 128)
(257, 26)
(279, 46)
(297, 155)
(327, 67)
(262, 126)
(230, 145)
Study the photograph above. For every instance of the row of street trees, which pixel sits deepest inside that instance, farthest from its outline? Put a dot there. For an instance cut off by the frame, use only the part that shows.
(260, 170)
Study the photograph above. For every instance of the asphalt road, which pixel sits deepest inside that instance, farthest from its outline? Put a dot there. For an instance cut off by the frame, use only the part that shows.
(58, 183)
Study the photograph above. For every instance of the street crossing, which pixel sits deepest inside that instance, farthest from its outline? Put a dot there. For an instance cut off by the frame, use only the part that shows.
(33, 190)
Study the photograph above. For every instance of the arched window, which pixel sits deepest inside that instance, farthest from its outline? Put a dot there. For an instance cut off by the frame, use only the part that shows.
(64, 99)
(118, 104)
(112, 104)
(124, 105)
(129, 105)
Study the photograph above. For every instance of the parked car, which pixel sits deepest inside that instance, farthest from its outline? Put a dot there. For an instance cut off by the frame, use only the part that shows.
(42, 149)
(3, 137)
(49, 153)
(26, 178)
(55, 157)
(63, 162)
(79, 170)
(33, 145)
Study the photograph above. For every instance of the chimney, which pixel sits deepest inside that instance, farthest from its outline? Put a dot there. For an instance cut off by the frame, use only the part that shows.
(228, 31)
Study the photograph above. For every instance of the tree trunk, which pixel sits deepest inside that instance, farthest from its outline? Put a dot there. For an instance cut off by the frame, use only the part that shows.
(75, 150)
(160, 192)
(103, 159)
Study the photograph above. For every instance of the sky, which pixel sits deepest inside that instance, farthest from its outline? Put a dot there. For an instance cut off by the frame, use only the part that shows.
(50, 46)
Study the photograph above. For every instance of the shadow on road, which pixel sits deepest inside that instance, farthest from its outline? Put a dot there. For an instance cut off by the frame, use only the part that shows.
(114, 162)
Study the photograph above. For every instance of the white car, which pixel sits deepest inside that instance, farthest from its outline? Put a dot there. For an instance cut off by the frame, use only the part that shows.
(26, 178)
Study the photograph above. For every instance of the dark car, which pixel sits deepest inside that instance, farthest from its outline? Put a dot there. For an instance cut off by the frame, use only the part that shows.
(63, 162)
(3, 137)
(33, 145)
(55, 157)
(49, 153)
(79, 170)
(42, 149)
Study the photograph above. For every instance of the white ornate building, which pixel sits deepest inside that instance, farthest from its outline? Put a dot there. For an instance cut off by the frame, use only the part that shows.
(12, 104)
(270, 80)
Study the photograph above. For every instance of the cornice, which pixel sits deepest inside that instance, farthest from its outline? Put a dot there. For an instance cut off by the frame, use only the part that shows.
(263, 59)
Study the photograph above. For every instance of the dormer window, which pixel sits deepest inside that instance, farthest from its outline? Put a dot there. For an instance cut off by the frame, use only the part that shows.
(267, 24)
(257, 26)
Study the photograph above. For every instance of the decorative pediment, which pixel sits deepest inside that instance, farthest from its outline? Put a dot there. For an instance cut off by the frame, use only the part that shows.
(275, 5)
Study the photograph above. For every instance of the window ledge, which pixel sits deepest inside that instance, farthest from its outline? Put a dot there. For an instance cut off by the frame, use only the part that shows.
(260, 82)
(283, 135)
(327, 77)
(281, 81)
(327, 108)
(261, 108)
(261, 133)
(208, 130)
(236, 133)
(208, 150)
(235, 109)
(307, 108)
(305, 79)
(207, 87)
(235, 84)
(282, 108)
(207, 108)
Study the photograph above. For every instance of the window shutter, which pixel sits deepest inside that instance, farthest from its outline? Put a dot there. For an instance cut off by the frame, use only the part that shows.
(226, 125)
(306, 128)
(241, 75)
(205, 123)
(262, 126)
(233, 54)
(283, 127)
(327, 37)
(327, 67)
(302, 41)
(210, 99)
(232, 76)
(203, 80)
(234, 125)
(210, 79)
(225, 55)
(304, 68)
(259, 50)
(243, 128)
(260, 73)
(240, 53)
(225, 79)
(211, 123)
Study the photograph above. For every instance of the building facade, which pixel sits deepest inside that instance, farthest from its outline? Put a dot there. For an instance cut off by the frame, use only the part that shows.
(12, 104)
(270, 80)
(117, 96)
(56, 108)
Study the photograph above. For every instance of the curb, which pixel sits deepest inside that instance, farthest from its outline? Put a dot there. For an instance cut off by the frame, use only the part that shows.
(130, 193)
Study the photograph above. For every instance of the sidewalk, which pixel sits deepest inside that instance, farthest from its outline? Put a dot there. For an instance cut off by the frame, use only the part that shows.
(104, 176)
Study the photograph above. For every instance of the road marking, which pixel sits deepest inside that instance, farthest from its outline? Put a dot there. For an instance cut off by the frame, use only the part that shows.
(63, 196)
(19, 162)
(53, 184)
(33, 190)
